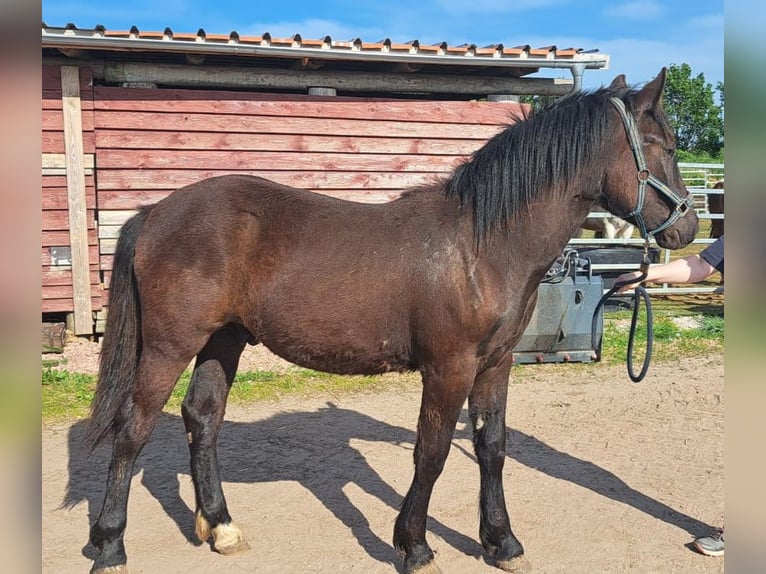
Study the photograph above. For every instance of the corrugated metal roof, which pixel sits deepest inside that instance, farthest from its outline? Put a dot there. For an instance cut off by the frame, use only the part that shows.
(522, 57)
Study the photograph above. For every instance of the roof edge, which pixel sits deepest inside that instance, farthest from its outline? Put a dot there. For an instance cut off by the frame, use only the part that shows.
(98, 38)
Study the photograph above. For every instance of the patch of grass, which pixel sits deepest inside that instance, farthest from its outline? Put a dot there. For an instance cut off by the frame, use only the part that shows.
(254, 386)
(711, 327)
(669, 340)
(67, 395)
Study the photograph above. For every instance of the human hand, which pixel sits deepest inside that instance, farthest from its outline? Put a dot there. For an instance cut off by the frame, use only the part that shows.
(630, 277)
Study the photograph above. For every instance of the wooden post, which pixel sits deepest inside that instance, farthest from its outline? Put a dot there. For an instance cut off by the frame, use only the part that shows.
(78, 215)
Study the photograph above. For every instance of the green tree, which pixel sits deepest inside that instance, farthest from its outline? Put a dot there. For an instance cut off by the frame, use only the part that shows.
(538, 101)
(695, 117)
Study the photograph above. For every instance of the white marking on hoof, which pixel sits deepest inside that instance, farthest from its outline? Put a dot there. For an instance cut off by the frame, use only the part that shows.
(516, 565)
(202, 527)
(479, 423)
(228, 540)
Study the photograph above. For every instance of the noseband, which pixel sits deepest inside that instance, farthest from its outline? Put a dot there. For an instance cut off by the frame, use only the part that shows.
(682, 204)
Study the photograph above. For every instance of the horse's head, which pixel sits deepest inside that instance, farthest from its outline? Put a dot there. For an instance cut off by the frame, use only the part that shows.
(645, 186)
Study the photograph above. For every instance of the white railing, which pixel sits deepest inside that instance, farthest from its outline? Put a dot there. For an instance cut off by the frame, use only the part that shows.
(699, 179)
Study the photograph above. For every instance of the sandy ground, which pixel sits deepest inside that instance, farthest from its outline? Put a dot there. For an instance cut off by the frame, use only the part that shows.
(602, 475)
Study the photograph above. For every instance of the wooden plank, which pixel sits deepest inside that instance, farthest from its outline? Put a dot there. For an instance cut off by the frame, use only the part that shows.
(153, 140)
(58, 182)
(56, 219)
(56, 197)
(107, 247)
(114, 217)
(55, 163)
(59, 238)
(275, 79)
(78, 224)
(59, 160)
(65, 305)
(109, 231)
(53, 142)
(57, 305)
(129, 199)
(65, 292)
(237, 103)
(245, 160)
(112, 221)
(288, 125)
(51, 101)
(54, 122)
(62, 171)
(54, 276)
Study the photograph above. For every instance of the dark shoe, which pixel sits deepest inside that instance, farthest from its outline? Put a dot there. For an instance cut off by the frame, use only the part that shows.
(711, 545)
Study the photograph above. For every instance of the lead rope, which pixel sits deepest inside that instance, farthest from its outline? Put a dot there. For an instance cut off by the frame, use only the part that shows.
(639, 293)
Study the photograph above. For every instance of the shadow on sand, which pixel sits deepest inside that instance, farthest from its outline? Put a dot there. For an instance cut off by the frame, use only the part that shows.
(313, 449)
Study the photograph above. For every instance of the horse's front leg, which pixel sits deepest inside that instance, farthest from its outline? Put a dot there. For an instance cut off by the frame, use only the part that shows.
(203, 410)
(444, 392)
(486, 407)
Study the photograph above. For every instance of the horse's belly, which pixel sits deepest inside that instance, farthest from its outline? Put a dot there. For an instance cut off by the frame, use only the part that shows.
(323, 351)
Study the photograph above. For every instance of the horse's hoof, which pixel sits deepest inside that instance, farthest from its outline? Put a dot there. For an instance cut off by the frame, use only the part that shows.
(232, 550)
(119, 569)
(228, 540)
(517, 565)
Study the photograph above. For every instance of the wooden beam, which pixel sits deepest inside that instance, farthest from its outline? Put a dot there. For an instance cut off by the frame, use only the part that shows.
(78, 221)
(55, 163)
(292, 79)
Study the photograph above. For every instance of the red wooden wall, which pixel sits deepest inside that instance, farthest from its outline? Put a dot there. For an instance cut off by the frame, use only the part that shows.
(149, 142)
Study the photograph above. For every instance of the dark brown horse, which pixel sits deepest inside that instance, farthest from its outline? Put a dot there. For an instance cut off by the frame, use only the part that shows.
(441, 280)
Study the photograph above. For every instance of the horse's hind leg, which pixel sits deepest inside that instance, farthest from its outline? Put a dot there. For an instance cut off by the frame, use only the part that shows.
(203, 410)
(155, 378)
(486, 407)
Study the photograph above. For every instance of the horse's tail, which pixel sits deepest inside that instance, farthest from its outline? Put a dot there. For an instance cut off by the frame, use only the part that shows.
(121, 347)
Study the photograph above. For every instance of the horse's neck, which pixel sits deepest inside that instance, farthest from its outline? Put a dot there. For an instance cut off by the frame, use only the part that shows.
(539, 233)
(530, 244)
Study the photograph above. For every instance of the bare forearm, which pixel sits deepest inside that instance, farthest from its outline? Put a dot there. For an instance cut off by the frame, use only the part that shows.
(691, 269)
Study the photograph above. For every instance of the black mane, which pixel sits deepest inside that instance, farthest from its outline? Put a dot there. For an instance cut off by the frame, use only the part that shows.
(539, 153)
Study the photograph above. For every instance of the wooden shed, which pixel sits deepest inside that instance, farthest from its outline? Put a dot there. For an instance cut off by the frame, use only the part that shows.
(128, 117)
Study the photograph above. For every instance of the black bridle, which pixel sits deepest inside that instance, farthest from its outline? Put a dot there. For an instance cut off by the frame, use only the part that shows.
(646, 177)
(682, 205)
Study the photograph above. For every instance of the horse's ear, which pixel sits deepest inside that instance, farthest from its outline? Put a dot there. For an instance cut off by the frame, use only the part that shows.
(618, 82)
(650, 94)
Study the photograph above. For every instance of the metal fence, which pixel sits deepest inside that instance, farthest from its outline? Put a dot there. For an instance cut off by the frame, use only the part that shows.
(700, 178)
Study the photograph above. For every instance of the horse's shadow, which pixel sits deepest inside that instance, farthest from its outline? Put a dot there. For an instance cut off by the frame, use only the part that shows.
(313, 449)
(310, 448)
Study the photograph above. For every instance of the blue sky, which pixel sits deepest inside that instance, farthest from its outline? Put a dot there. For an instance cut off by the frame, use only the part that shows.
(640, 36)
